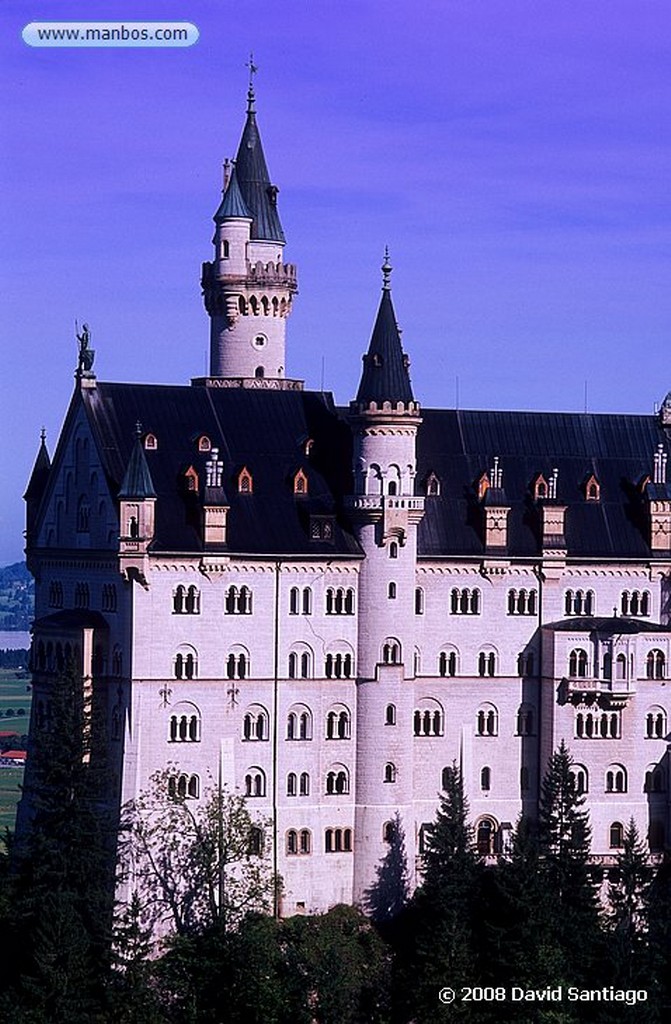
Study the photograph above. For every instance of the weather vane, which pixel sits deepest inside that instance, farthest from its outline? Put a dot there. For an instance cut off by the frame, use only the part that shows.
(253, 68)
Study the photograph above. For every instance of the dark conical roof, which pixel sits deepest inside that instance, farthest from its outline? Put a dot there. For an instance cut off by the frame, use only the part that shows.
(232, 204)
(40, 473)
(137, 482)
(258, 193)
(385, 376)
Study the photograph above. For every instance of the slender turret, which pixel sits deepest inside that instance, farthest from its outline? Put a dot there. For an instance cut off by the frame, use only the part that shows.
(248, 289)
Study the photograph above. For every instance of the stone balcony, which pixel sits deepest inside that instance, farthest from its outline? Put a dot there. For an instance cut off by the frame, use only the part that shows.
(615, 692)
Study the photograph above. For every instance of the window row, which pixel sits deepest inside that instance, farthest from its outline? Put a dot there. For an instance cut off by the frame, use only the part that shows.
(237, 665)
(256, 724)
(336, 840)
(578, 665)
(616, 779)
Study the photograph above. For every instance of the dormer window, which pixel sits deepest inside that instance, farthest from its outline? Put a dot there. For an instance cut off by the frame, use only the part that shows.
(204, 443)
(377, 359)
(150, 442)
(592, 489)
(539, 487)
(483, 486)
(300, 483)
(191, 479)
(322, 528)
(245, 482)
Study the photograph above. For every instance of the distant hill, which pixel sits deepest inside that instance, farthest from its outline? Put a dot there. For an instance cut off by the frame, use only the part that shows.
(17, 597)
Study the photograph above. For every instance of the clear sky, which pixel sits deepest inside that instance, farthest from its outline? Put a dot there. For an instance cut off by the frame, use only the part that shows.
(515, 155)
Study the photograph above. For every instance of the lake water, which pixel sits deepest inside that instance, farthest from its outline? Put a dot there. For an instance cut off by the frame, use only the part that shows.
(13, 640)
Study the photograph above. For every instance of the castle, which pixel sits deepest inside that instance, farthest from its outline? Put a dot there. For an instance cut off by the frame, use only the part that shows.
(327, 607)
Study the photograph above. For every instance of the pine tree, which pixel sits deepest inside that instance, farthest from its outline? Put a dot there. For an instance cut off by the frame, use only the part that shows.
(389, 894)
(62, 866)
(628, 895)
(570, 903)
(444, 919)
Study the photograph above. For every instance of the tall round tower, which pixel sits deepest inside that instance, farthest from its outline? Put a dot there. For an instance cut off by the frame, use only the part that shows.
(247, 288)
(386, 513)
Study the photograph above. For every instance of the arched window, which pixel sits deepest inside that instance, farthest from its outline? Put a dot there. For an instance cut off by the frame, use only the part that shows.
(304, 841)
(292, 842)
(255, 843)
(486, 779)
(299, 723)
(419, 601)
(390, 772)
(465, 601)
(655, 779)
(486, 837)
(391, 652)
(621, 666)
(186, 663)
(338, 724)
(390, 714)
(237, 663)
(83, 515)
(655, 724)
(391, 591)
(429, 718)
(337, 782)
(577, 664)
(616, 779)
(487, 663)
(616, 835)
(525, 720)
(487, 721)
(184, 724)
(447, 663)
(338, 840)
(655, 664)
(304, 784)
(255, 782)
(293, 601)
(292, 784)
(255, 723)
(393, 549)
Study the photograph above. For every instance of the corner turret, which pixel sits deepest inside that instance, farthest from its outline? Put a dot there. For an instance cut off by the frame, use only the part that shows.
(137, 501)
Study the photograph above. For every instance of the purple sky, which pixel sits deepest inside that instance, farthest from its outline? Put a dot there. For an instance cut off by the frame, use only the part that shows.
(515, 156)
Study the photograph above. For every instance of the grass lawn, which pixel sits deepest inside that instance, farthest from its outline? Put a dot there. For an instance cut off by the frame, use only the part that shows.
(10, 780)
(14, 694)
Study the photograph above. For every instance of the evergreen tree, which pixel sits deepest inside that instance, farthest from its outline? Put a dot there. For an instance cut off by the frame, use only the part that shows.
(569, 907)
(390, 892)
(628, 895)
(62, 883)
(444, 919)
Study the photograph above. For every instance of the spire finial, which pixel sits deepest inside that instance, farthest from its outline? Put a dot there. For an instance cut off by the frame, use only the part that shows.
(43, 435)
(253, 68)
(386, 270)
(138, 428)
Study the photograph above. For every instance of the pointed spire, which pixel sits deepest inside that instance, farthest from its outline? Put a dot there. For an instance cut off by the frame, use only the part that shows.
(137, 481)
(40, 473)
(258, 193)
(232, 205)
(385, 376)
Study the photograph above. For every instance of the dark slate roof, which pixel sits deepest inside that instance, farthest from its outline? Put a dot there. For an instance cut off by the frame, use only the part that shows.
(264, 430)
(259, 195)
(137, 482)
(458, 446)
(385, 376)
(613, 624)
(232, 205)
(40, 474)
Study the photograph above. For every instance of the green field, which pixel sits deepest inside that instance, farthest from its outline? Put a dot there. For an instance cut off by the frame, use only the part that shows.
(15, 696)
(10, 782)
